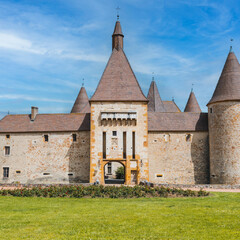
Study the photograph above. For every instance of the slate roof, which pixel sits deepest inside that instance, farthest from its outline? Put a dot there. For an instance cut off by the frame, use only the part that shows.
(155, 103)
(45, 123)
(117, 29)
(118, 82)
(171, 106)
(81, 104)
(228, 86)
(175, 122)
(192, 104)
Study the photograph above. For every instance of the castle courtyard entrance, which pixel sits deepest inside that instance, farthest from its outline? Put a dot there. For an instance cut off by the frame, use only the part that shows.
(114, 172)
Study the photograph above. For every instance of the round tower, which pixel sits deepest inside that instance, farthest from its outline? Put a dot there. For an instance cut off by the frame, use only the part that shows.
(224, 125)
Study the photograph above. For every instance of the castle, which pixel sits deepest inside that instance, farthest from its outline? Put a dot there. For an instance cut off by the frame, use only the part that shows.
(151, 138)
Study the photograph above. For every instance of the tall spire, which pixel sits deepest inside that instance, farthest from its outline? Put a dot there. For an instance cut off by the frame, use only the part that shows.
(228, 87)
(81, 104)
(117, 37)
(192, 104)
(155, 103)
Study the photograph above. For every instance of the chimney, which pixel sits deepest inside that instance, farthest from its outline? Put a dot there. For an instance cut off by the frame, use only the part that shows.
(34, 112)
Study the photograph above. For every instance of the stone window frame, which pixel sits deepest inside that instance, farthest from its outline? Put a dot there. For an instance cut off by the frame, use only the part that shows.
(114, 133)
(6, 171)
(8, 136)
(7, 154)
(74, 137)
(46, 137)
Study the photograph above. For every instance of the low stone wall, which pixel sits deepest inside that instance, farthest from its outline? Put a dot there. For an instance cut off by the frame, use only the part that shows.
(198, 186)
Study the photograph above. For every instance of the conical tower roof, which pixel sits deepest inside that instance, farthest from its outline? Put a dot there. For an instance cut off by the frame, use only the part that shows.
(228, 87)
(155, 103)
(118, 82)
(192, 104)
(81, 104)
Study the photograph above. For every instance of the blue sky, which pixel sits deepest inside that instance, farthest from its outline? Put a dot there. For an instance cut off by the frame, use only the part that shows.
(48, 47)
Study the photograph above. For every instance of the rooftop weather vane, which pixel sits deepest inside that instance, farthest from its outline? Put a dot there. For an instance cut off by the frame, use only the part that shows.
(231, 44)
(192, 87)
(83, 82)
(118, 8)
(153, 76)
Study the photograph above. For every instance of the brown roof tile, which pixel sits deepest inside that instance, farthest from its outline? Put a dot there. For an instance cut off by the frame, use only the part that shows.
(118, 82)
(155, 103)
(192, 104)
(166, 122)
(81, 104)
(45, 123)
(228, 87)
(171, 106)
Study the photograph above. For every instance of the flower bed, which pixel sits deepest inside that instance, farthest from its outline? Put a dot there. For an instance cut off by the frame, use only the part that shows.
(79, 191)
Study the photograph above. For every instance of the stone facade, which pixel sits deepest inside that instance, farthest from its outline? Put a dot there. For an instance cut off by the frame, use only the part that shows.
(224, 132)
(178, 157)
(114, 144)
(33, 160)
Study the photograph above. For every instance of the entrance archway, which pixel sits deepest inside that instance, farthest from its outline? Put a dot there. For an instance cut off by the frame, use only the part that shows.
(114, 172)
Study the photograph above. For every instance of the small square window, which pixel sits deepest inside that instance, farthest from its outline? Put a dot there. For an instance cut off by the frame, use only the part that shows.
(74, 136)
(8, 136)
(188, 137)
(7, 150)
(18, 171)
(46, 138)
(6, 172)
(114, 133)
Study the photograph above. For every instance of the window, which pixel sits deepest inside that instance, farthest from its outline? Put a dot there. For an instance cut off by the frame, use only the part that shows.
(124, 145)
(6, 172)
(210, 110)
(104, 145)
(188, 138)
(109, 167)
(133, 145)
(114, 133)
(74, 136)
(7, 150)
(18, 171)
(46, 138)
(46, 173)
(8, 136)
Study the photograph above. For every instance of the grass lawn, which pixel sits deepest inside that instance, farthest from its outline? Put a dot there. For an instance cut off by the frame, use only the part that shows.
(214, 217)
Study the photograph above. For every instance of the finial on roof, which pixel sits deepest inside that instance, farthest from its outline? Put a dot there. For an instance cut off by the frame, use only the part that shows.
(153, 76)
(83, 82)
(192, 87)
(173, 99)
(118, 8)
(231, 45)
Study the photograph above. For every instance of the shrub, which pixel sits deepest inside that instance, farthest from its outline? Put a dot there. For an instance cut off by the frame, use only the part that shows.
(100, 191)
(120, 173)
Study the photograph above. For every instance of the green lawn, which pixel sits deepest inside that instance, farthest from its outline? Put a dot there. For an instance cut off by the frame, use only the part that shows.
(214, 217)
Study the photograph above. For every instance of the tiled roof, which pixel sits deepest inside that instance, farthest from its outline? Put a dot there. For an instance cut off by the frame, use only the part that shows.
(171, 106)
(81, 122)
(117, 29)
(192, 104)
(155, 103)
(228, 87)
(118, 82)
(45, 123)
(177, 122)
(81, 104)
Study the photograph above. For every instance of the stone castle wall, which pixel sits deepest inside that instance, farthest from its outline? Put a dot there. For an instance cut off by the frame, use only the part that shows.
(32, 160)
(178, 157)
(224, 141)
(114, 144)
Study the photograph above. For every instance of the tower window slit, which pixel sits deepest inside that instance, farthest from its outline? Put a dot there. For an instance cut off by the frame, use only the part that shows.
(133, 145)
(104, 145)
(124, 145)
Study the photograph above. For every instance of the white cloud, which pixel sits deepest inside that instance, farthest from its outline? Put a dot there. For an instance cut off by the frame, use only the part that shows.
(28, 98)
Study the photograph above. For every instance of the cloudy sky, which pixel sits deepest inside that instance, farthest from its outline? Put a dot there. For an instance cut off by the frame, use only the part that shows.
(48, 47)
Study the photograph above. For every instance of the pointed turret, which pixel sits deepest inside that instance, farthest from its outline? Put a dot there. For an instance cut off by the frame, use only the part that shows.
(117, 37)
(81, 104)
(118, 82)
(192, 104)
(228, 87)
(155, 103)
